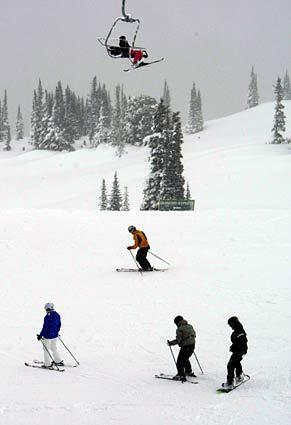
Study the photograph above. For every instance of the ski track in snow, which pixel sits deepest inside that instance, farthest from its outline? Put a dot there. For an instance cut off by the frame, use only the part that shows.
(230, 256)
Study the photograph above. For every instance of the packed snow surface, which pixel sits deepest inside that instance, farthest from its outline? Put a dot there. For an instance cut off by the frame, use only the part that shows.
(231, 256)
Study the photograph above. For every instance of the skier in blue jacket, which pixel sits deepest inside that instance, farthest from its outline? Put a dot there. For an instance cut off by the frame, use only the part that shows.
(49, 336)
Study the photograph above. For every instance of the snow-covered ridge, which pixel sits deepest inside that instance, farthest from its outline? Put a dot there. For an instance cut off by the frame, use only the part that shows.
(231, 153)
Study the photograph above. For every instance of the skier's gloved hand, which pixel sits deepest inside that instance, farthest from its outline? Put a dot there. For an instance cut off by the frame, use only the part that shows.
(38, 337)
(169, 342)
(129, 248)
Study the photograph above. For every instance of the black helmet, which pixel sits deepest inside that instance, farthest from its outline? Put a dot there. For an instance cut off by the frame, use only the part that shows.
(131, 229)
(178, 319)
(232, 320)
(122, 37)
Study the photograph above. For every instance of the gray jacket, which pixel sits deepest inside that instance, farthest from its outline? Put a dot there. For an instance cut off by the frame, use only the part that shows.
(185, 334)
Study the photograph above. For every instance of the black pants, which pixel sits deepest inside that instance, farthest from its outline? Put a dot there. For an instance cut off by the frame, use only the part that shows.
(114, 50)
(183, 363)
(234, 366)
(141, 258)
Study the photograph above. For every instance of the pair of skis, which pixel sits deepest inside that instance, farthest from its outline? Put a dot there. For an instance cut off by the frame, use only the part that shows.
(188, 379)
(142, 65)
(37, 364)
(140, 270)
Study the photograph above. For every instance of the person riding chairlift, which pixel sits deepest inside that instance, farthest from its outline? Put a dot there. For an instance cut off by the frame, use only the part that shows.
(125, 51)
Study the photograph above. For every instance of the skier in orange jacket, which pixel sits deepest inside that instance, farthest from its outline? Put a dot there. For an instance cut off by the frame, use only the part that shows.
(141, 242)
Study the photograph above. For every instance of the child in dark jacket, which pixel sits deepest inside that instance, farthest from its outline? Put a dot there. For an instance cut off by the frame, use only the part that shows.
(185, 338)
(239, 348)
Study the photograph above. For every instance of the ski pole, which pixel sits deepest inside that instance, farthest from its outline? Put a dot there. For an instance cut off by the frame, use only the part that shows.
(172, 353)
(68, 350)
(198, 363)
(159, 257)
(135, 262)
(47, 350)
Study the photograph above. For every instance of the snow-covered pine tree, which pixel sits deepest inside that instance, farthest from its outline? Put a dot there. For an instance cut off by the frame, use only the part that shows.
(34, 122)
(54, 139)
(59, 107)
(172, 186)
(107, 107)
(102, 134)
(6, 135)
(279, 118)
(195, 116)
(19, 126)
(125, 202)
(72, 127)
(118, 134)
(188, 194)
(94, 107)
(103, 200)
(166, 95)
(287, 87)
(82, 117)
(156, 144)
(47, 114)
(37, 116)
(253, 97)
(115, 197)
(199, 113)
(191, 123)
(139, 118)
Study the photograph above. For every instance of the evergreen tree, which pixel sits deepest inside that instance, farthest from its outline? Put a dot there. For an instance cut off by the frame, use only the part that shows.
(125, 202)
(118, 134)
(54, 139)
(94, 107)
(34, 121)
(72, 119)
(199, 120)
(5, 132)
(115, 198)
(59, 108)
(166, 95)
(253, 97)
(103, 201)
(279, 118)
(195, 116)
(139, 118)
(19, 126)
(102, 134)
(156, 143)
(172, 186)
(107, 107)
(191, 126)
(188, 194)
(37, 116)
(47, 114)
(287, 87)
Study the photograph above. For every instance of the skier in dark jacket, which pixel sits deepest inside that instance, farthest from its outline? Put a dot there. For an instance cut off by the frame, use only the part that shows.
(141, 242)
(185, 338)
(239, 348)
(49, 335)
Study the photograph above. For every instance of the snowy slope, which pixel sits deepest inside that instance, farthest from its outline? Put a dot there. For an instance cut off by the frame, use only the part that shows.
(230, 256)
(231, 153)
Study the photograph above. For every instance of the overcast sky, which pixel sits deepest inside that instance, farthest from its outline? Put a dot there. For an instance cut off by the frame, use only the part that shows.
(212, 42)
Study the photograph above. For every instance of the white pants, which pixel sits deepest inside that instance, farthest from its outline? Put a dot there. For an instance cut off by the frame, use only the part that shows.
(51, 345)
